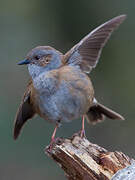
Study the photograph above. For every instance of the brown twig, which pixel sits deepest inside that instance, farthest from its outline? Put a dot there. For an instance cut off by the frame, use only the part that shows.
(82, 160)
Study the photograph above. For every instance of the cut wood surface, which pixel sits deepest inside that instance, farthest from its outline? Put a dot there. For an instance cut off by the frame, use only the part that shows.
(82, 160)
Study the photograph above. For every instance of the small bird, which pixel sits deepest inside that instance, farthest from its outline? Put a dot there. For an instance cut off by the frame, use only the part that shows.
(59, 89)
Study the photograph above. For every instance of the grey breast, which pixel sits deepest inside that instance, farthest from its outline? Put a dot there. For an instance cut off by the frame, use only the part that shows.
(61, 99)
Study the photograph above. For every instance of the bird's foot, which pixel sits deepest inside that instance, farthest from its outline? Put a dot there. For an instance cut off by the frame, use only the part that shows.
(53, 142)
(82, 133)
(51, 145)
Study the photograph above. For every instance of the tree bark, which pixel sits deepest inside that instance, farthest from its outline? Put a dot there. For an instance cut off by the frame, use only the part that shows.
(82, 160)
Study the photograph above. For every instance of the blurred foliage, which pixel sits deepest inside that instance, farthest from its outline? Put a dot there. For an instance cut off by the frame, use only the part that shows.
(61, 24)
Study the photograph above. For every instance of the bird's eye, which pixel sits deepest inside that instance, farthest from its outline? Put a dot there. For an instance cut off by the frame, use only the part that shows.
(47, 59)
(37, 57)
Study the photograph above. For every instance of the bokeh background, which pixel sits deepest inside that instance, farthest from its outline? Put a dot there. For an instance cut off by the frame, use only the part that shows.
(26, 24)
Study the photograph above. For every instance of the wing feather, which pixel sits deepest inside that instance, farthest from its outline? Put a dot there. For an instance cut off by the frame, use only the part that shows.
(25, 111)
(87, 52)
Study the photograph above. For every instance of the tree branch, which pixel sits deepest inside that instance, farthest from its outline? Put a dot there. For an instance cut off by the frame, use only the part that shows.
(82, 160)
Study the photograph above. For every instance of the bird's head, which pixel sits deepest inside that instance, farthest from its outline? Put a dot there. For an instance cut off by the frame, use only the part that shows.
(42, 59)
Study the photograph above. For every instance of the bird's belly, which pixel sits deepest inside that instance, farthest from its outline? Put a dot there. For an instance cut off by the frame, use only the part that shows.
(65, 97)
(66, 104)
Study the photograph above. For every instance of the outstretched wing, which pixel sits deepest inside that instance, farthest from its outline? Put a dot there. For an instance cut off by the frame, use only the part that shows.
(25, 111)
(87, 52)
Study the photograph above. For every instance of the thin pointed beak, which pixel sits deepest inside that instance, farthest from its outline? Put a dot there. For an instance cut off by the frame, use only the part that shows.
(25, 61)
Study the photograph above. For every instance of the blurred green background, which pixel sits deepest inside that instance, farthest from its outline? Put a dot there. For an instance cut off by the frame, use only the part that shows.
(26, 24)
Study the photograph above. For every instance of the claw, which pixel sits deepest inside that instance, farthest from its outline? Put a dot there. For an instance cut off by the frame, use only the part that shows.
(82, 134)
(50, 147)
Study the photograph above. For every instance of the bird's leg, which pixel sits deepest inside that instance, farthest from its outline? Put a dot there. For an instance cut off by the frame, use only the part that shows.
(53, 138)
(54, 133)
(83, 129)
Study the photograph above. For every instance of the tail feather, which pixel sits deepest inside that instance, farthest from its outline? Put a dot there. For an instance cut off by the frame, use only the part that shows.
(98, 112)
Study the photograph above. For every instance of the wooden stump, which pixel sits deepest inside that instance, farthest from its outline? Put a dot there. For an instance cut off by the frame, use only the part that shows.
(82, 160)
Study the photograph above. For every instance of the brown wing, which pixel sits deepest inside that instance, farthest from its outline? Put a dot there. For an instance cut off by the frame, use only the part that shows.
(98, 112)
(87, 52)
(25, 111)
